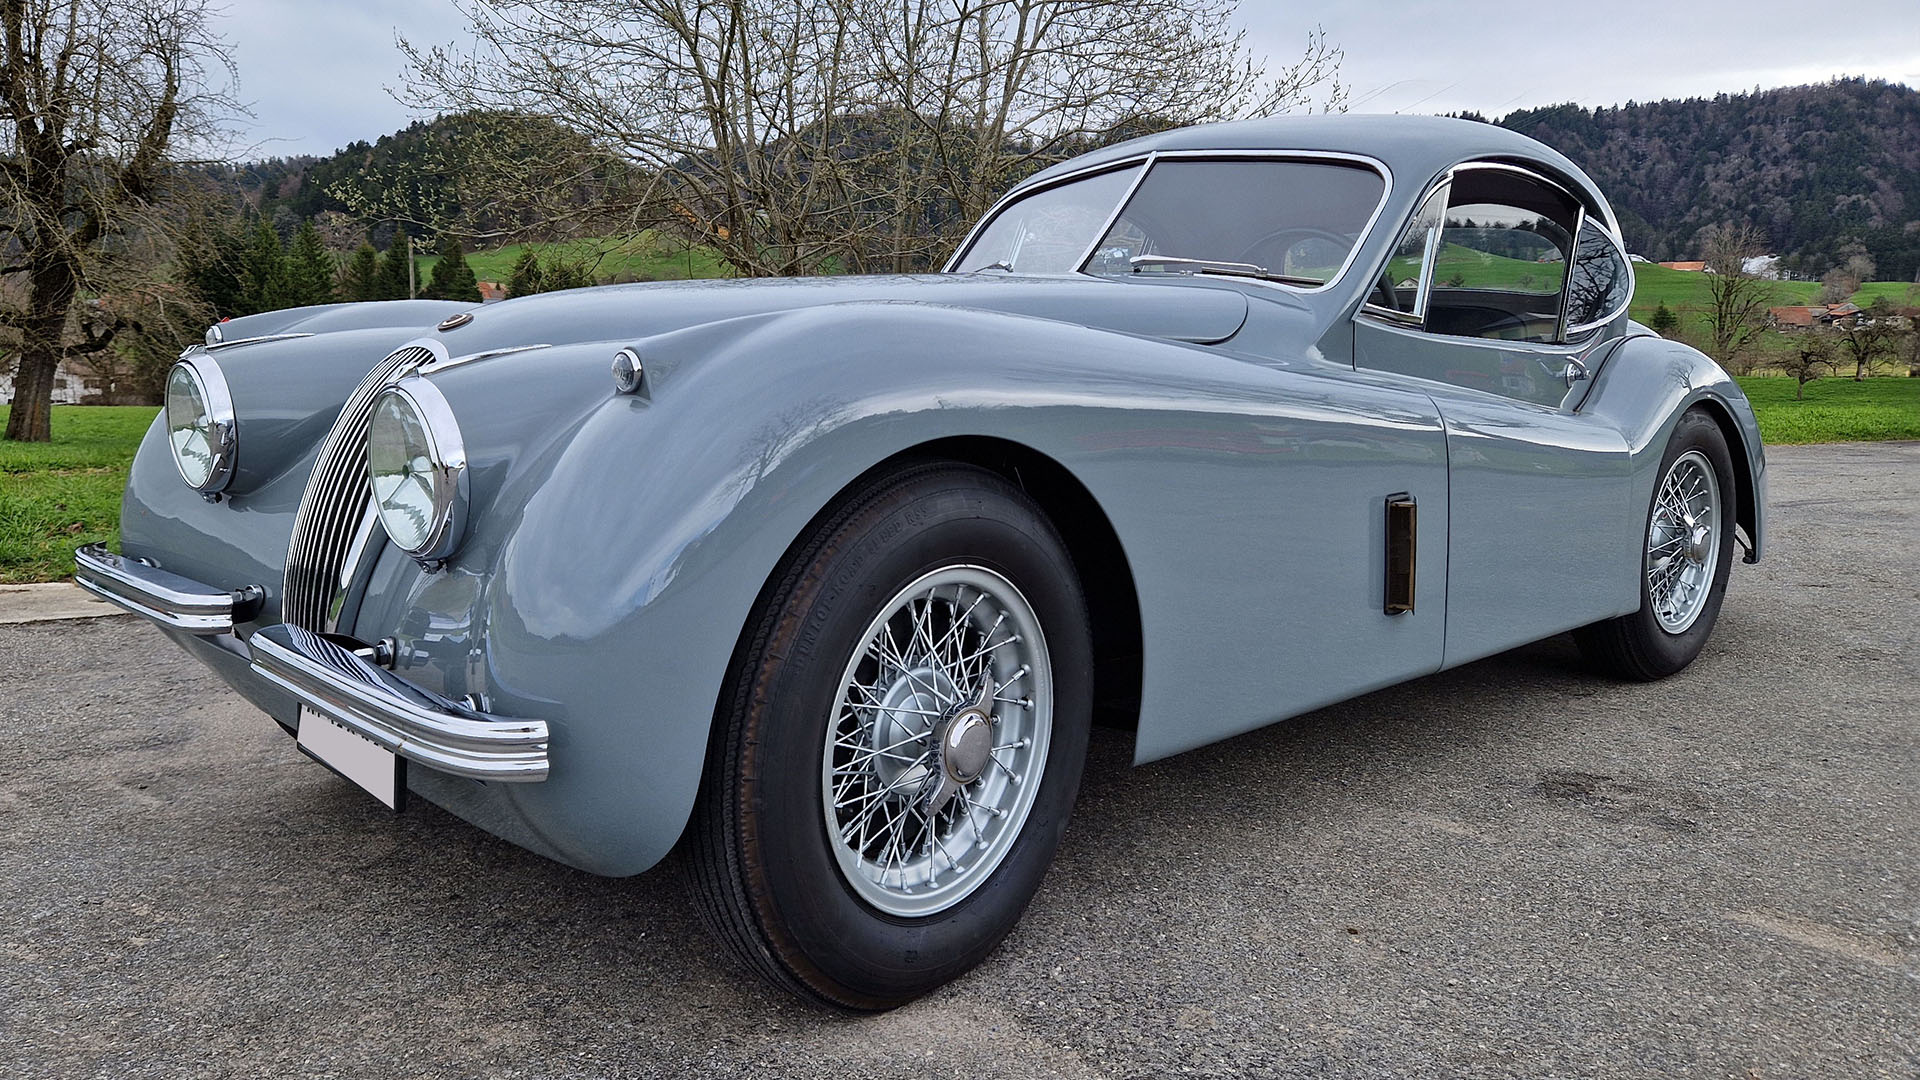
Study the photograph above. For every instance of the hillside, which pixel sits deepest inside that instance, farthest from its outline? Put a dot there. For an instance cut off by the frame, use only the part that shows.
(1820, 169)
(1816, 167)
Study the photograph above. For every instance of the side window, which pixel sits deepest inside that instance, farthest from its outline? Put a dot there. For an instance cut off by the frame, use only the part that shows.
(1401, 291)
(1601, 283)
(1500, 268)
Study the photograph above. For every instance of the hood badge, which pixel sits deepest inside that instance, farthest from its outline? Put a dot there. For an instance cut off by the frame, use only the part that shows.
(455, 322)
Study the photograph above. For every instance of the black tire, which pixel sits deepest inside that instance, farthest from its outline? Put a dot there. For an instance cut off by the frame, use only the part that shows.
(760, 858)
(1637, 647)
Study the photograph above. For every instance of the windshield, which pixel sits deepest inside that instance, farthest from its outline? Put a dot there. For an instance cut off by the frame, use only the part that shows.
(1049, 231)
(1283, 220)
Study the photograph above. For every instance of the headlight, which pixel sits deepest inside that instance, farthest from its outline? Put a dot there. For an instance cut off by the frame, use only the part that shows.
(418, 465)
(200, 424)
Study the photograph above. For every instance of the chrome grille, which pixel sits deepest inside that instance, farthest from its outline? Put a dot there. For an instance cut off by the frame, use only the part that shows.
(337, 497)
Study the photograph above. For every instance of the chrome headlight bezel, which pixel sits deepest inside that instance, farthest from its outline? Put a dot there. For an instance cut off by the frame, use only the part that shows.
(629, 374)
(445, 454)
(222, 431)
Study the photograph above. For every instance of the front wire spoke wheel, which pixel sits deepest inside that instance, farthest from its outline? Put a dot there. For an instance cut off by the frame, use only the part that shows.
(895, 757)
(937, 741)
(1683, 542)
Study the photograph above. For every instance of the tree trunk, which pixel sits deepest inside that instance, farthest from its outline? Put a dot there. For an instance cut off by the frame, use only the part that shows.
(32, 417)
(51, 289)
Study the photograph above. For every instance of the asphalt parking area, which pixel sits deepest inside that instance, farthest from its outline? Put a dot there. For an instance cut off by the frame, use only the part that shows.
(1512, 869)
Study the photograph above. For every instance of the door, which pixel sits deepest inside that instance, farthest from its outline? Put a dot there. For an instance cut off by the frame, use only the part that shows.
(1475, 308)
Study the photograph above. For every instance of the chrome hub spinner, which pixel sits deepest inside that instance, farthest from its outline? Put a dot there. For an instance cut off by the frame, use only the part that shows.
(963, 751)
(937, 744)
(968, 743)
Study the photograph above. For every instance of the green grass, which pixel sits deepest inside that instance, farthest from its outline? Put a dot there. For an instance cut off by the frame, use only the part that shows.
(1685, 292)
(647, 257)
(1835, 409)
(55, 496)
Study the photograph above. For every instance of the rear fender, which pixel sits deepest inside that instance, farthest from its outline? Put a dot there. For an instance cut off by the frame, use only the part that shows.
(1647, 384)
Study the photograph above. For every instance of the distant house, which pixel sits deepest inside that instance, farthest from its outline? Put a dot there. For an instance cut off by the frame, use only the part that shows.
(491, 291)
(1843, 316)
(75, 382)
(1790, 318)
(1696, 267)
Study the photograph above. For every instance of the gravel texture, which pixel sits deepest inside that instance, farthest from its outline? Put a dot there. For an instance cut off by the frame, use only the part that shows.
(1511, 869)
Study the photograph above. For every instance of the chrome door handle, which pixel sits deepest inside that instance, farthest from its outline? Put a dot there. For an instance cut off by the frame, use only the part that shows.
(1576, 372)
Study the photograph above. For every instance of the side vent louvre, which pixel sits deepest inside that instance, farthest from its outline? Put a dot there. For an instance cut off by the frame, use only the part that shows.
(1402, 546)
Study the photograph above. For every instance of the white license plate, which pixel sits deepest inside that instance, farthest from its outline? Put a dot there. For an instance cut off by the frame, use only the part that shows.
(360, 760)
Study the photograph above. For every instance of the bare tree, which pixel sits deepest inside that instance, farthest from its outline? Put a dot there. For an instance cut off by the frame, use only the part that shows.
(1837, 284)
(1869, 338)
(1856, 267)
(96, 94)
(796, 136)
(1736, 300)
(1812, 354)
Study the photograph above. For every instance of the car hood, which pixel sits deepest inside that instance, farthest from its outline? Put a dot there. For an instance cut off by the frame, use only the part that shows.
(1180, 309)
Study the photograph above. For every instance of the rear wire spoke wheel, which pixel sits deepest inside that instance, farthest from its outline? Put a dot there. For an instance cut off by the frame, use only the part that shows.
(1685, 562)
(1682, 542)
(900, 742)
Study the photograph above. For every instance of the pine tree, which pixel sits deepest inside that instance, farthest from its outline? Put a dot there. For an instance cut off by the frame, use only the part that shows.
(396, 277)
(527, 277)
(360, 278)
(565, 274)
(310, 267)
(1663, 319)
(211, 261)
(452, 278)
(265, 282)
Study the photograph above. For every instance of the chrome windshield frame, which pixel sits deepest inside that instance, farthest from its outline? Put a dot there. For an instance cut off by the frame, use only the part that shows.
(1146, 162)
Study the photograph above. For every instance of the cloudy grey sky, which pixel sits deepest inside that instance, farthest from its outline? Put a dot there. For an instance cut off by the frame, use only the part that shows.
(317, 72)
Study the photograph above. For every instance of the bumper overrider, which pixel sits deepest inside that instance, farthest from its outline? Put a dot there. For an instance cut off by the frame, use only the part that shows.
(327, 677)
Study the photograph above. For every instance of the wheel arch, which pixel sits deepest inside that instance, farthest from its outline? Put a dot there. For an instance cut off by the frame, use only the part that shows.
(1746, 486)
(1106, 576)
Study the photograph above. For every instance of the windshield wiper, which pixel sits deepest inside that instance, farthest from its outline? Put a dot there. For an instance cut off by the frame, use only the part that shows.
(1007, 266)
(1218, 266)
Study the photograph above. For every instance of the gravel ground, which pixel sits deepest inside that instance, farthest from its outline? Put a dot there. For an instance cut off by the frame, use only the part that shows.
(1511, 869)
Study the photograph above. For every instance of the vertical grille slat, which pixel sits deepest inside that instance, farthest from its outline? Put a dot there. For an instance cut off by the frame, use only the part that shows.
(336, 495)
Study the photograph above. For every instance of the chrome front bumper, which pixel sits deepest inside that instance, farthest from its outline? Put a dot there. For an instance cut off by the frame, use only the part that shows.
(394, 713)
(174, 602)
(327, 677)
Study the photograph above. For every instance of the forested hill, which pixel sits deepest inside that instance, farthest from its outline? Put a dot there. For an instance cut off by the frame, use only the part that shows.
(1817, 167)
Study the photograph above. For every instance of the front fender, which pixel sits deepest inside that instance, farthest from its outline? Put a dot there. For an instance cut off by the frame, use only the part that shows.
(606, 587)
(605, 584)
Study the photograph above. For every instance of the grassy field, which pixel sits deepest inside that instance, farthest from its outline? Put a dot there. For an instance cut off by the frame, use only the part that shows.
(1835, 410)
(647, 257)
(58, 495)
(1685, 292)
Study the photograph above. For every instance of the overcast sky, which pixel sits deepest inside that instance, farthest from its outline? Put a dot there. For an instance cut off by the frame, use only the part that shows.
(317, 72)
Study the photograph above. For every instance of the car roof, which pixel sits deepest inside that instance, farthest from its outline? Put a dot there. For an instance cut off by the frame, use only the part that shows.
(1414, 149)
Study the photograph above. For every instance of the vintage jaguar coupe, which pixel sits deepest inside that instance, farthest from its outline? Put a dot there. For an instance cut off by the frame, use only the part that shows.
(827, 582)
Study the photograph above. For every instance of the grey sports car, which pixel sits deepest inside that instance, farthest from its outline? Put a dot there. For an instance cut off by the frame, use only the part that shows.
(826, 582)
